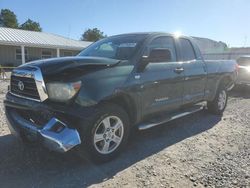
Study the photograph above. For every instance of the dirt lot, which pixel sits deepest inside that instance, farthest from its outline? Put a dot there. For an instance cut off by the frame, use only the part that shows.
(200, 150)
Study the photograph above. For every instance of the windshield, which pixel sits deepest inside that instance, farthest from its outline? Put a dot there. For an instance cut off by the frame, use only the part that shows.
(117, 47)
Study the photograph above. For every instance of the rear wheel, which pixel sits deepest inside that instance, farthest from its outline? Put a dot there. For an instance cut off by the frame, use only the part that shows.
(218, 105)
(106, 134)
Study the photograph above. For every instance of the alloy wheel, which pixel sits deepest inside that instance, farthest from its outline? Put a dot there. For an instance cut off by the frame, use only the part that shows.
(108, 134)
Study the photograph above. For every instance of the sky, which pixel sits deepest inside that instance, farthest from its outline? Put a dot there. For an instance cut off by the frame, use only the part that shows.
(220, 20)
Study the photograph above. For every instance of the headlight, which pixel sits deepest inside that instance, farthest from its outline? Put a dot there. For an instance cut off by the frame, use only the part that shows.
(61, 92)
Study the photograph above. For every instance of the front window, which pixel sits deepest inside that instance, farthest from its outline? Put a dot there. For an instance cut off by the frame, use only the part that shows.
(118, 47)
(163, 42)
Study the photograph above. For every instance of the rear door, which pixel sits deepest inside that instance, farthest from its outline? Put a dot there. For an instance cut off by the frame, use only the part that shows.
(194, 72)
(161, 85)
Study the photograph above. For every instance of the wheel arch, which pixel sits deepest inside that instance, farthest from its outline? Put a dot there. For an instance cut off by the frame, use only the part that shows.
(127, 103)
(226, 81)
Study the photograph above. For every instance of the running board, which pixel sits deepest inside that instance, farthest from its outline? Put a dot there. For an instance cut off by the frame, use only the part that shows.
(147, 125)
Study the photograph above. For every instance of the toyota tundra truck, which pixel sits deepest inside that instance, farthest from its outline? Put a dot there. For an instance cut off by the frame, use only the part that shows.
(92, 102)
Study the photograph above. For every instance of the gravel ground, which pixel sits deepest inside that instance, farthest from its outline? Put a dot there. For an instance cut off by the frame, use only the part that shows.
(200, 150)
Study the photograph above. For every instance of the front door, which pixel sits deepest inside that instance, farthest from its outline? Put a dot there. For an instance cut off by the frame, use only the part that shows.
(161, 84)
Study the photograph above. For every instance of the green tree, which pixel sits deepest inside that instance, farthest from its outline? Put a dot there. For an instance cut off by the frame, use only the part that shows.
(93, 35)
(31, 26)
(8, 19)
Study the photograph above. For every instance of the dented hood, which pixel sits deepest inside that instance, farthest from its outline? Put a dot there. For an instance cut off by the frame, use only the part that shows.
(57, 65)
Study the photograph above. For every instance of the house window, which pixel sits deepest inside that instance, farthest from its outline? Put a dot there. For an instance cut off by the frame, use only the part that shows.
(19, 54)
(65, 54)
(46, 54)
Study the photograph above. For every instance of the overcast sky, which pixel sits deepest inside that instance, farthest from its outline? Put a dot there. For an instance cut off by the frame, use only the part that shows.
(221, 20)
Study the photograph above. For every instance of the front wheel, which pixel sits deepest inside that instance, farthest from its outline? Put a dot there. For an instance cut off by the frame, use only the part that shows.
(107, 133)
(218, 105)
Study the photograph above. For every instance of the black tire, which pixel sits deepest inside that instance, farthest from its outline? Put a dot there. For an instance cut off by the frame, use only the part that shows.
(214, 106)
(88, 147)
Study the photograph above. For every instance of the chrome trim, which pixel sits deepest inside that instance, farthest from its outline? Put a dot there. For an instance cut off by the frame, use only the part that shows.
(230, 87)
(41, 88)
(22, 73)
(36, 74)
(23, 97)
(61, 141)
(150, 125)
(64, 140)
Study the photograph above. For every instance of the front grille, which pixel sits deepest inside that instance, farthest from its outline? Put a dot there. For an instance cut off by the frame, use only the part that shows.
(29, 90)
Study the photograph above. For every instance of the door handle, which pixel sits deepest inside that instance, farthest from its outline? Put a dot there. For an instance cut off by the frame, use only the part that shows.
(178, 70)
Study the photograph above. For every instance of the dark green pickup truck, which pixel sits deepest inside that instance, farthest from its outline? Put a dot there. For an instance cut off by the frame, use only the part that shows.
(93, 101)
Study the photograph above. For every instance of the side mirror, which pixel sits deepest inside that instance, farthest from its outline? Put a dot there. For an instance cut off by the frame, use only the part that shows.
(156, 55)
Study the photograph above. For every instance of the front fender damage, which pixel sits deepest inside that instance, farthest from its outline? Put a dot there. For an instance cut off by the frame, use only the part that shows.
(103, 84)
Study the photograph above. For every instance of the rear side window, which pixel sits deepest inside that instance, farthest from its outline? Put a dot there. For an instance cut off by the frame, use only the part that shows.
(164, 43)
(187, 50)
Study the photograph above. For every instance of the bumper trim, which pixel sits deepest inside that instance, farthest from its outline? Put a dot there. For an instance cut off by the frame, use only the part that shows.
(55, 134)
(66, 139)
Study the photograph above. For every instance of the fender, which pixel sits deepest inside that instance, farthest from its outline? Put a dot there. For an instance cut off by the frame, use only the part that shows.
(100, 85)
(217, 72)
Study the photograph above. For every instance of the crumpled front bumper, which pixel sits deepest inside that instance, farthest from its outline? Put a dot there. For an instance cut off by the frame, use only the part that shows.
(54, 135)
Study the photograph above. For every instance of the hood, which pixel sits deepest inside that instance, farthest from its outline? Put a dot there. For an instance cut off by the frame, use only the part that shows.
(70, 67)
(58, 65)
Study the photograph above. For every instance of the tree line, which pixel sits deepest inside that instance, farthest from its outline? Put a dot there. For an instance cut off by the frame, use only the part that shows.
(9, 19)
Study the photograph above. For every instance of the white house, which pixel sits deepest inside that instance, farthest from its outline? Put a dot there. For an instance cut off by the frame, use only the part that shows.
(20, 46)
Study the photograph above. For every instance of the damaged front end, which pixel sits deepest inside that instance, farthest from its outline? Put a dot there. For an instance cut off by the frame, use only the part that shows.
(28, 115)
(43, 100)
(53, 134)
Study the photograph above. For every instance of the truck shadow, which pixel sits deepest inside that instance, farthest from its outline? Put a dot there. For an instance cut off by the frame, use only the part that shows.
(23, 166)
